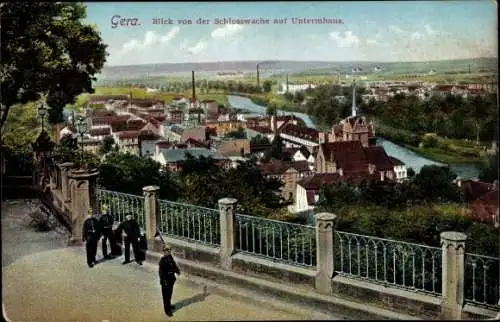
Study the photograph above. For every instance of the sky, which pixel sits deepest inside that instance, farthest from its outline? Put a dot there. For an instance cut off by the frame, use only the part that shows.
(370, 31)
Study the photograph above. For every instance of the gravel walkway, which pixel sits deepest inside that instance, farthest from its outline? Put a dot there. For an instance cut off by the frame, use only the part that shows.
(43, 280)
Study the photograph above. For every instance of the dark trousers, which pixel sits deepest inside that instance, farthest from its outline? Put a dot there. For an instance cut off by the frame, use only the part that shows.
(167, 288)
(91, 248)
(107, 234)
(135, 247)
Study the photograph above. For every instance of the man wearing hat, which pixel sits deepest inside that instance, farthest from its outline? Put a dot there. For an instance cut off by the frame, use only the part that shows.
(91, 236)
(132, 232)
(167, 270)
(106, 222)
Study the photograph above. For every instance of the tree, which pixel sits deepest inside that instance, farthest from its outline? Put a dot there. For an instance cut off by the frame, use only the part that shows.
(107, 145)
(266, 86)
(69, 142)
(436, 183)
(128, 173)
(259, 140)
(489, 170)
(47, 50)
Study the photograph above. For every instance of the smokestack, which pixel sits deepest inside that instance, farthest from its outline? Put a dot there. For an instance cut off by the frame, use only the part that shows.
(287, 82)
(469, 68)
(258, 77)
(275, 122)
(193, 85)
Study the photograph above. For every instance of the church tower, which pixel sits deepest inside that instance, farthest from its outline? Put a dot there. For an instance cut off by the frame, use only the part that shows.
(353, 113)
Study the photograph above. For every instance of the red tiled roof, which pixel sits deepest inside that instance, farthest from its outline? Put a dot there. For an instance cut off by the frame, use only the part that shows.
(261, 129)
(396, 162)
(95, 98)
(164, 144)
(192, 142)
(128, 134)
(377, 156)
(100, 131)
(305, 133)
(102, 112)
(278, 167)
(315, 181)
(108, 120)
(145, 102)
(486, 207)
(155, 122)
(349, 155)
(476, 189)
(148, 135)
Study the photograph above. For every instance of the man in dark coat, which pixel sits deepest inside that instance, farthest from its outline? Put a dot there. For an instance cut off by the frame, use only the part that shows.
(167, 270)
(91, 234)
(106, 224)
(132, 232)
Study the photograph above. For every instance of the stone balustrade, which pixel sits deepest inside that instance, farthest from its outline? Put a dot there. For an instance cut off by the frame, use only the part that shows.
(78, 193)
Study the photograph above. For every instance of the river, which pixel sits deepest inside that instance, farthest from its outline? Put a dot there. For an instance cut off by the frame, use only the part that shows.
(410, 158)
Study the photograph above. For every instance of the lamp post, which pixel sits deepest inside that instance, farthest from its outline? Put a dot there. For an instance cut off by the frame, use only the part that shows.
(42, 110)
(81, 128)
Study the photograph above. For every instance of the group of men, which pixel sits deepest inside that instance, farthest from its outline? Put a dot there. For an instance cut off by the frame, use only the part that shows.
(128, 232)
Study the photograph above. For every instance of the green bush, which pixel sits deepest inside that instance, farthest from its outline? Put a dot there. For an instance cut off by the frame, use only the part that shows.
(430, 141)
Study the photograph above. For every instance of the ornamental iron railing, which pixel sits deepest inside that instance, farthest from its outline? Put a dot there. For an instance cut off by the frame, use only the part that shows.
(276, 240)
(122, 204)
(393, 263)
(190, 222)
(481, 280)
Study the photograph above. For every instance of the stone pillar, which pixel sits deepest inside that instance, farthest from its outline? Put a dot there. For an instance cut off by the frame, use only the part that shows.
(453, 267)
(151, 210)
(83, 184)
(325, 250)
(65, 167)
(227, 207)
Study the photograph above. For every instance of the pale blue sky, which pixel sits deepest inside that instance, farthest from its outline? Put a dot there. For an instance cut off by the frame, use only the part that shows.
(375, 31)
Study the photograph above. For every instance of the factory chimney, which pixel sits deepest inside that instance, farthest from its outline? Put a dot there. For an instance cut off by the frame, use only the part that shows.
(193, 86)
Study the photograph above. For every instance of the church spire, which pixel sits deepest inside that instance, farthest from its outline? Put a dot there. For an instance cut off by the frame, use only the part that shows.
(354, 98)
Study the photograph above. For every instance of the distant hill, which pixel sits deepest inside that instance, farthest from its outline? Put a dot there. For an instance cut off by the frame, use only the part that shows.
(300, 67)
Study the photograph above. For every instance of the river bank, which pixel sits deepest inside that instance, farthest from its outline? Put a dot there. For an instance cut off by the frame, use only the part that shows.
(411, 158)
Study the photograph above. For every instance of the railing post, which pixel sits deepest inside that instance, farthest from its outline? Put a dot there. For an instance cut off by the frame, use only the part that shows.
(83, 197)
(65, 167)
(453, 268)
(325, 250)
(227, 208)
(151, 210)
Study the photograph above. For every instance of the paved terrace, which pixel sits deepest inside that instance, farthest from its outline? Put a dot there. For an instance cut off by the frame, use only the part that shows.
(44, 280)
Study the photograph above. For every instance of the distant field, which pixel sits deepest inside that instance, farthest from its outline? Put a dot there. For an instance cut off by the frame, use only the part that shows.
(140, 93)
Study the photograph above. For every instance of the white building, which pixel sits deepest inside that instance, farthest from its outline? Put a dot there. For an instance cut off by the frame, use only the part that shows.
(399, 169)
(293, 88)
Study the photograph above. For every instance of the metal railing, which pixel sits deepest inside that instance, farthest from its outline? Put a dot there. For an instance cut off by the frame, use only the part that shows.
(481, 279)
(121, 204)
(280, 241)
(190, 222)
(410, 266)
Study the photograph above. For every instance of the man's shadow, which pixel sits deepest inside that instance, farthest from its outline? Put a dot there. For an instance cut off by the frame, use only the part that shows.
(191, 300)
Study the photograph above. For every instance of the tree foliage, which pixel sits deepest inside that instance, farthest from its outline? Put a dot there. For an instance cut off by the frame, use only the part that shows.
(203, 183)
(47, 50)
(259, 140)
(489, 170)
(128, 173)
(107, 145)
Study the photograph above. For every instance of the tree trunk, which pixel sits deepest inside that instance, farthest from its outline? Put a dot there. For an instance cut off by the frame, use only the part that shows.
(5, 112)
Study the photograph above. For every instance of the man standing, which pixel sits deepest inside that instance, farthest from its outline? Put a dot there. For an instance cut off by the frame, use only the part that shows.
(167, 270)
(132, 234)
(91, 236)
(106, 223)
